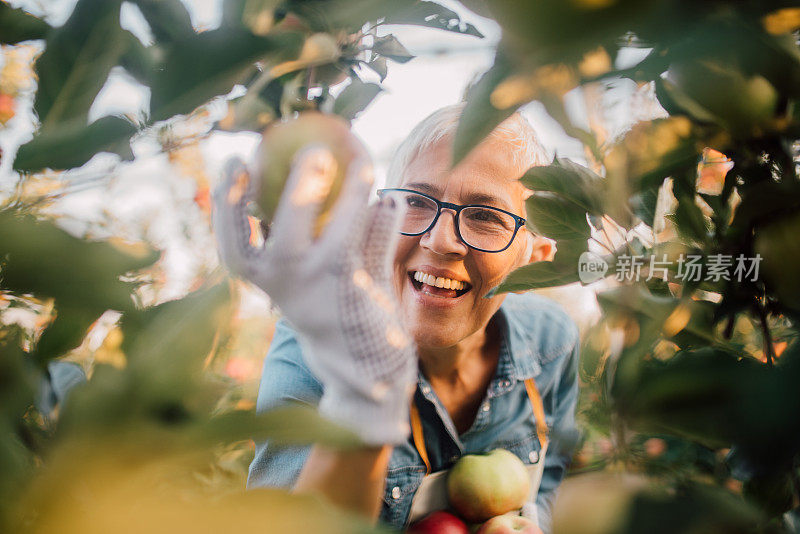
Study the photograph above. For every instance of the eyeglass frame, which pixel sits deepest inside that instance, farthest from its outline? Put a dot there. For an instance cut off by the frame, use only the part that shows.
(519, 221)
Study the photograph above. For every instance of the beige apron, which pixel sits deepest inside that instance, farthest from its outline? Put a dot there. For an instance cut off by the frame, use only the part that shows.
(432, 492)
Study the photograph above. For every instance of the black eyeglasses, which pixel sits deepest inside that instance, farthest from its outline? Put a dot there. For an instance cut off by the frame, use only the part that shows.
(480, 227)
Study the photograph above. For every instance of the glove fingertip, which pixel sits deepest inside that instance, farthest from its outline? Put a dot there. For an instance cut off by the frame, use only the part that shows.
(391, 212)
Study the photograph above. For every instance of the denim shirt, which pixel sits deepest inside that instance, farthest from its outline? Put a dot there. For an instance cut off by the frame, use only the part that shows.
(538, 340)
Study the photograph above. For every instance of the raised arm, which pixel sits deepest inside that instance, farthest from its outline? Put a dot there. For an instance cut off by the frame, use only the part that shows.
(337, 291)
(353, 480)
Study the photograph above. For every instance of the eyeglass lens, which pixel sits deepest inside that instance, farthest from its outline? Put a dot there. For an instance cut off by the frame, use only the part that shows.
(480, 227)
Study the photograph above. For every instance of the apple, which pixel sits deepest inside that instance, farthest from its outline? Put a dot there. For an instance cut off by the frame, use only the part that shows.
(481, 486)
(509, 524)
(282, 141)
(439, 523)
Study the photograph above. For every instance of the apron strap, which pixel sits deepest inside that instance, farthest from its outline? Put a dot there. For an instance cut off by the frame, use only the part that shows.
(538, 412)
(419, 438)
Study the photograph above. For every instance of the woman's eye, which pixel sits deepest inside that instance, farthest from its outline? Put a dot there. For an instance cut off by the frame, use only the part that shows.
(415, 202)
(485, 216)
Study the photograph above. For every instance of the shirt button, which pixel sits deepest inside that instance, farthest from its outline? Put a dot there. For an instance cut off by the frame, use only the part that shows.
(533, 456)
(426, 390)
(396, 492)
(485, 407)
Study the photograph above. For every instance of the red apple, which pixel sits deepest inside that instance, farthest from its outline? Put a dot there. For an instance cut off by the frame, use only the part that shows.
(439, 523)
(509, 524)
(481, 486)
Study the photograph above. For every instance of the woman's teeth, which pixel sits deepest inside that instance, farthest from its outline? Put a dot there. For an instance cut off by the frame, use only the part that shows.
(439, 281)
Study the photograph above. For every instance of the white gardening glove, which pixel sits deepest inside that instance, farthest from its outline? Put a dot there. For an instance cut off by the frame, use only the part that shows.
(336, 290)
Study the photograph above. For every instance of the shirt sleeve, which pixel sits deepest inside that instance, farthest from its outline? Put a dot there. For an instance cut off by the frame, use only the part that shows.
(563, 437)
(285, 379)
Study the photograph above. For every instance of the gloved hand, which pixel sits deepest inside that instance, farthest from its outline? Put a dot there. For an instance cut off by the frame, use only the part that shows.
(336, 291)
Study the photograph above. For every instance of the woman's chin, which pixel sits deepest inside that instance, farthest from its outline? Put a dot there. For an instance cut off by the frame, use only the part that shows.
(428, 338)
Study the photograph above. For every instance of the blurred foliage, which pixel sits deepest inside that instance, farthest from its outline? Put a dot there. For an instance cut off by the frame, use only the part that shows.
(158, 430)
(688, 384)
(689, 379)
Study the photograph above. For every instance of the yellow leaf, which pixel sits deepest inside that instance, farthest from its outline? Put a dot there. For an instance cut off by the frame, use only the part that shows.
(319, 49)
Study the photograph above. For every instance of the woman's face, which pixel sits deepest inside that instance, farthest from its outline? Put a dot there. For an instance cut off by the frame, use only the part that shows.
(438, 318)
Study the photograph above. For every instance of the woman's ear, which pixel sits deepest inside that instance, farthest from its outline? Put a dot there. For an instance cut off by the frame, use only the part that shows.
(539, 248)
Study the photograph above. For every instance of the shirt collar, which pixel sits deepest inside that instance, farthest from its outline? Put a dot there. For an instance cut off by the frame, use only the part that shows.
(520, 353)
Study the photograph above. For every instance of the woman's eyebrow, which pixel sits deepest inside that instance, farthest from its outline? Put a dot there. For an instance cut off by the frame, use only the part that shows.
(422, 187)
(468, 198)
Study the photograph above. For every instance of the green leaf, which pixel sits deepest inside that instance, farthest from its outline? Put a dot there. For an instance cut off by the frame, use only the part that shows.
(677, 102)
(644, 205)
(636, 300)
(42, 259)
(210, 64)
(569, 180)
(690, 221)
(17, 393)
(556, 218)
(163, 382)
(692, 504)
(138, 60)
(688, 217)
(76, 62)
(355, 97)
(73, 143)
(687, 394)
(480, 116)
(177, 335)
(17, 25)
(159, 489)
(168, 19)
(388, 46)
(561, 271)
(379, 66)
(538, 275)
(39, 258)
(291, 425)
(67, 331)
(432, 15)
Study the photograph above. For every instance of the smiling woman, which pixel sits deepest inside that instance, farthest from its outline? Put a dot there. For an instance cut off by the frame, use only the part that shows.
(415, 356)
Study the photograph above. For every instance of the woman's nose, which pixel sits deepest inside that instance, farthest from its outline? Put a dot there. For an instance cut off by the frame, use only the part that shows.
(442, 238)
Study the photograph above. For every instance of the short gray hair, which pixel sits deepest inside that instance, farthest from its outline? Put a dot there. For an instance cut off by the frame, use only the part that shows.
(442, 123)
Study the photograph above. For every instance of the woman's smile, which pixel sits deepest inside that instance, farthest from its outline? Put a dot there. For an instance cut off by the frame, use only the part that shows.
(436, 288)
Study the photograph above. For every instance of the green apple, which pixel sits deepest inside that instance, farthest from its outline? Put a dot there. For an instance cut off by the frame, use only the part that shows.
(509, 524)
(282, 141)
(481, 486)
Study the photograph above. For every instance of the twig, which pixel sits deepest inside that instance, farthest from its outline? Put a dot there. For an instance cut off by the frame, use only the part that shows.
(769, 351)
(610, 251)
